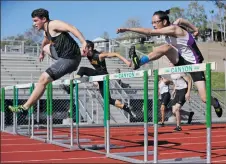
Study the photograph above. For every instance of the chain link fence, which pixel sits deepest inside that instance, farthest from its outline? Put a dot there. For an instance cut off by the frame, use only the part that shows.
(91, 107)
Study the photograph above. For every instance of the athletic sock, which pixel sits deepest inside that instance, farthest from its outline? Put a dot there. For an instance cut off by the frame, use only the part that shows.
(144, 59)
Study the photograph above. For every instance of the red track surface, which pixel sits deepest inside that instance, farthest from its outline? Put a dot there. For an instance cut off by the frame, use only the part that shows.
(191, 142)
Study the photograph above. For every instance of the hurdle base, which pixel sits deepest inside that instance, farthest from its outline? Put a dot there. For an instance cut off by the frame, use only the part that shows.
(67, 141)
(97, 148)
(54, 137)
(39, 139)
(131, 154)
(184, 160)
(102, 146)
(72, 148)
(124, 158)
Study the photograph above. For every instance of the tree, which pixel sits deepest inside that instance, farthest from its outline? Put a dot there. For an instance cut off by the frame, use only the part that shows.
(131, 23)
(30, 37)
(212, 23)
(105, 35)
(33, 36)
(220, 6)
(175, 13)
(197, 16)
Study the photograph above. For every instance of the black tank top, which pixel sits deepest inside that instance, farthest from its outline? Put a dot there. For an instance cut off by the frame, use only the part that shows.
(96, 63)
(65, 46)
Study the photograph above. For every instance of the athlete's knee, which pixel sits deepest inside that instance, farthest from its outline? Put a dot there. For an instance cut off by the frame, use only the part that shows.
(44, 79)
(203, 98)
(176, 108)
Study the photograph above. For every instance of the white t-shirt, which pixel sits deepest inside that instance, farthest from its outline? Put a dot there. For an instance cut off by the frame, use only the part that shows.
(163, 88)
(179, 81)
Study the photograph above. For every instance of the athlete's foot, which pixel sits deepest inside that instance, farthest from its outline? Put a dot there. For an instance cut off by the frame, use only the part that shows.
(134, 57)
(18, 109)
(178, 128)
(66, 88)
(190, 117)
(132, 114)
(132, 51)
(129, 110)
(161, 124)
(218, 108)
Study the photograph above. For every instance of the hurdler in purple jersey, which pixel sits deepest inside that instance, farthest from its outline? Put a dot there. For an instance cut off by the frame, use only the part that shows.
(180, 49)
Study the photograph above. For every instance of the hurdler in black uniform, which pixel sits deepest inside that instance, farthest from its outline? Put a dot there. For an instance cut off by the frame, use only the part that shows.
(66, 51)
(100, 68)
(59, 45)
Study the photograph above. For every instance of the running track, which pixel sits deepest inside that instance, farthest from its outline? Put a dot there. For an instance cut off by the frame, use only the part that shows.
(188, 143)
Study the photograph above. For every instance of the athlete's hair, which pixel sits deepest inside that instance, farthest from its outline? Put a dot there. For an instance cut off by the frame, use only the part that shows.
(163, 15)
(90, 44)
(40, 13)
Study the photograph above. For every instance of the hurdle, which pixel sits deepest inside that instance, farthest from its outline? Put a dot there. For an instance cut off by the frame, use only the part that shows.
(14, 129)
(92, 147)
(195, 68)
(126, 156)
(66, 141)
(126, 75)
(43, 135)
(169, 70)
(2, 109)
(29, 130)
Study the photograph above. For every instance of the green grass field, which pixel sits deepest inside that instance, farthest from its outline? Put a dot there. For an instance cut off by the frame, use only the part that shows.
(218, 80)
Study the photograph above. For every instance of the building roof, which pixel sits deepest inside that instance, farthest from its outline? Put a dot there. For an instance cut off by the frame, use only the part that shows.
(99, 39)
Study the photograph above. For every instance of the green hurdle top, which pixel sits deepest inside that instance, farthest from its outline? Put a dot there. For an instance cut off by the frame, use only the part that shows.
(186, 68)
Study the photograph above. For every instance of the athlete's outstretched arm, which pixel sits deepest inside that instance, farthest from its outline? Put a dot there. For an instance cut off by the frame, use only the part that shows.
(104, 55)
(169, 30)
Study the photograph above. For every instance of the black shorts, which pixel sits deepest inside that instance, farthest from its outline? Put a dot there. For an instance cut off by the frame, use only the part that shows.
(165, 98)
(196, 76)
(62, 67)
(180, 97)
(92, 72)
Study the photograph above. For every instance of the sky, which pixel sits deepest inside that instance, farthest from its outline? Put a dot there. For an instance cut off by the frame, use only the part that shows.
(92, 18)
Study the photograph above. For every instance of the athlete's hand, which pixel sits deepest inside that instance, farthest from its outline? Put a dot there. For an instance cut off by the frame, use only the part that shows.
(41, 57)
(84, 47)
(177, 22)
(95, 84)
(196, 33)
(187, 96)
(121, 30)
